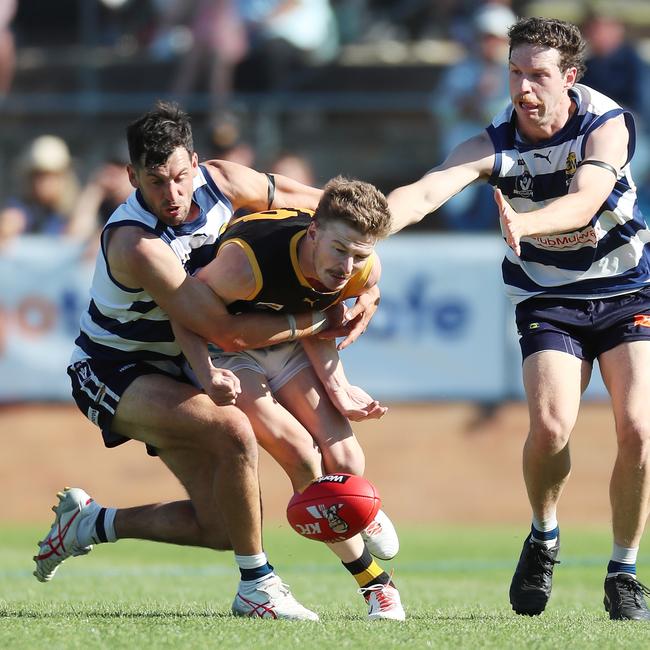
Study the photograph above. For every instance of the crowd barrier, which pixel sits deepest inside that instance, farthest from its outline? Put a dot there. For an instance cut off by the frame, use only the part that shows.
(444, 330)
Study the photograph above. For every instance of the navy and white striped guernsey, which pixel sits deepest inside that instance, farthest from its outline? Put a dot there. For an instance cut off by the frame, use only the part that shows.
(126, 324)
(609, 255)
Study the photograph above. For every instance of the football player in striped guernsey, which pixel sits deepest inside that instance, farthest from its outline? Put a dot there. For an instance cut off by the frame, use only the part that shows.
(127, 370)
(577, 268)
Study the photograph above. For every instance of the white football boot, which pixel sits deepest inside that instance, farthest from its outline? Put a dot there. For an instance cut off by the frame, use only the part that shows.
(380, 537)
(383, 603)
(61, 542)
(269, 597)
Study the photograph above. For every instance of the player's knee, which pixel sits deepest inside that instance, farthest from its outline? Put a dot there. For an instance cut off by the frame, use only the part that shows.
(550, 435)
(346, 458)
(634, 439)
(234, 437)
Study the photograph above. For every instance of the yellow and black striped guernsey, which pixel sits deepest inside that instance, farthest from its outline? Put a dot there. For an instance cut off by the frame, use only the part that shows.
(270, 240)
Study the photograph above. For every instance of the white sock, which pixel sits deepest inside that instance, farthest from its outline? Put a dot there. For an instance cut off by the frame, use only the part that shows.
(623, 560)
(109, 524)
(251, 561)
(87, 530)
(547, 525)
(253, 567)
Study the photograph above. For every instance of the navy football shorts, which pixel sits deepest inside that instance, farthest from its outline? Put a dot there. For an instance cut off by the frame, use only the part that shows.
(583, 328)
(97, 387)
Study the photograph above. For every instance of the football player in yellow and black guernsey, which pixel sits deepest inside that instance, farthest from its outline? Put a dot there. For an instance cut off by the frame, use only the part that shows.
(296, 394)
(271, 241)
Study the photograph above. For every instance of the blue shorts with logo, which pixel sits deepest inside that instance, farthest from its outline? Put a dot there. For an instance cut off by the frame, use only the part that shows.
(97, 387)
(583, 328)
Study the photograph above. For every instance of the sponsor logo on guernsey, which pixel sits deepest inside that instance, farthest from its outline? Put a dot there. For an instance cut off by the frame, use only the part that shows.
(524, 185)
(546, 157)
(642, 320)
(567, 239)
(533, 326)
(311, 302)
(270, 305)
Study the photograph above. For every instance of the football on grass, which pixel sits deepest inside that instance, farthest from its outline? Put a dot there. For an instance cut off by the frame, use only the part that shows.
(334, 507)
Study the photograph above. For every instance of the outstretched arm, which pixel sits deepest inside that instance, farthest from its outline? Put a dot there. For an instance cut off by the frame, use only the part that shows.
(468, 162)
(141, 260)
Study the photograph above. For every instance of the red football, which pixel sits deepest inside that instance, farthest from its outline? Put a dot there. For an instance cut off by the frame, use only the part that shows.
(334, 507)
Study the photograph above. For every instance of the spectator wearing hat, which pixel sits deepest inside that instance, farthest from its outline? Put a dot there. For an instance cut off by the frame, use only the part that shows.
(49, 191)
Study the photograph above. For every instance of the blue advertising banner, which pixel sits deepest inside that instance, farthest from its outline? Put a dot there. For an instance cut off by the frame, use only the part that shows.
(444, 329)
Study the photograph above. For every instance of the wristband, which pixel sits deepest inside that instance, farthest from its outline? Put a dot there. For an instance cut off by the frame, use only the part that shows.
(318, 321)
(292, 326)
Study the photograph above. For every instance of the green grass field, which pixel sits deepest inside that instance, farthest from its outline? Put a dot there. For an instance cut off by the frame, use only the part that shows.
(453, 581)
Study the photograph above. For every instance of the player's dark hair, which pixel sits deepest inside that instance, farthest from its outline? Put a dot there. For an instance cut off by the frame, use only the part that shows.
(358, 204)
(551, 32)
(154, 136)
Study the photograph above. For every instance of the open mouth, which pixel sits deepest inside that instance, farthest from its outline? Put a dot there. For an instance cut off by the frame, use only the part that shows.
(528, 105)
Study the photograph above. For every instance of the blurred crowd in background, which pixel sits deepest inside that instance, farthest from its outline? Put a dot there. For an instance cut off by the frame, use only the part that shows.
(234, 54)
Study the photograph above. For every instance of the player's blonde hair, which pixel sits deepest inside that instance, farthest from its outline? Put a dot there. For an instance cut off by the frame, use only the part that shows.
(358, 204)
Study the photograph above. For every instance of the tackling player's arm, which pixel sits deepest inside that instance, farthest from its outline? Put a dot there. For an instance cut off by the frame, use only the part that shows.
(590, 187)
(468, 162)
(255, 191)
(141, 260)
(230, 277)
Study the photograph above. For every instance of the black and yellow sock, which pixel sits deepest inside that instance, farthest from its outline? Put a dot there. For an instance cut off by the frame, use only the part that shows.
(366, 571)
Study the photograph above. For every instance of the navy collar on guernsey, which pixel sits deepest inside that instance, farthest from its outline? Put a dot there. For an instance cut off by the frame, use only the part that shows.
(184, 228)
(560, 136)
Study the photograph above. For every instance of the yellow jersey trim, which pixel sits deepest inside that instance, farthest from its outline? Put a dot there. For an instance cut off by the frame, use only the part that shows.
(252, 260)
(293, 253)
(277, 215)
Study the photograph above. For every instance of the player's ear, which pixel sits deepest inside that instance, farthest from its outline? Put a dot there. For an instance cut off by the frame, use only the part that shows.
(311, 230)
(570, 76)
(133, 179)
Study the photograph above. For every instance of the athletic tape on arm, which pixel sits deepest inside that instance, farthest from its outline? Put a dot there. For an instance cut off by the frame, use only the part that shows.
(600, 163)
(271, 189)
